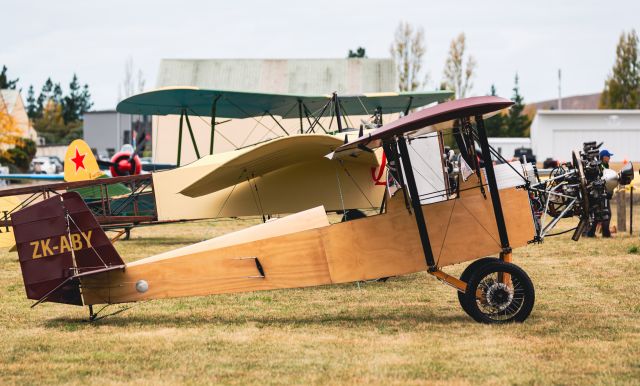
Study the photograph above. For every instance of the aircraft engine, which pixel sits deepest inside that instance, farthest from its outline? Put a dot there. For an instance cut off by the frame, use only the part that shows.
(580, 189)
(123, 164)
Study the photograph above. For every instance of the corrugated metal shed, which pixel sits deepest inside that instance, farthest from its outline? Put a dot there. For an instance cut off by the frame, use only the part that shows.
(294, 76)
(288, 76)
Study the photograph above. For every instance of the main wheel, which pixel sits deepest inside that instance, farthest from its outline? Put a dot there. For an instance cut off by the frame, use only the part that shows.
(499, 292)
(466, 274)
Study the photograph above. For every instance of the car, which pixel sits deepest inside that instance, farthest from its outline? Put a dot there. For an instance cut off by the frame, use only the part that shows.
(43, 165)
(57, 162)
(525, 153)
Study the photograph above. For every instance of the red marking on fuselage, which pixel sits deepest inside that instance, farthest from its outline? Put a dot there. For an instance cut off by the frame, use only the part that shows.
(376, 179)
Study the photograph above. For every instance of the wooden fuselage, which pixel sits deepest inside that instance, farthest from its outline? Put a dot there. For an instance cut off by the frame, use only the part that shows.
(303, 250)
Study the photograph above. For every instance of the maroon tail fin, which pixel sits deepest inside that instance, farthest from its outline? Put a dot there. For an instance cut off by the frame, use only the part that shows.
(58, 239)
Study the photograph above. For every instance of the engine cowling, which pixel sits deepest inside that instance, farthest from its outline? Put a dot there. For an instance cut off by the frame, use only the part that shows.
(124, 165)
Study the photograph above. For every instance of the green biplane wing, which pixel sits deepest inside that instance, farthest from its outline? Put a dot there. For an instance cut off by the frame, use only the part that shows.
(240, 104)
(91, 193)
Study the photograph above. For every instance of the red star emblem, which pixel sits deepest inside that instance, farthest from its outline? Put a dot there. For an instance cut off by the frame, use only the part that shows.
(78, 160)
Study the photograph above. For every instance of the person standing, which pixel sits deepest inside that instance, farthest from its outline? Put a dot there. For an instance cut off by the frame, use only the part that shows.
(605, 157)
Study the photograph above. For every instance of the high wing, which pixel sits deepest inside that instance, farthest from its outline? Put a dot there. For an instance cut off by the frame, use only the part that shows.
(240, 104)
(424, 121)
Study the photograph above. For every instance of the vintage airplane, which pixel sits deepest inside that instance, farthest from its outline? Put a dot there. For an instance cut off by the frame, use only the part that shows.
(132, 199)
(66, 258)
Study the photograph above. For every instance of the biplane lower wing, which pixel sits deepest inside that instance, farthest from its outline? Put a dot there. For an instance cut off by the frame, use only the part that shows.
(285, 175)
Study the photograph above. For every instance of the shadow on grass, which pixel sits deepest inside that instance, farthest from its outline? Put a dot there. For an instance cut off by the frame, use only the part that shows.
(402, 320)
(174, 241)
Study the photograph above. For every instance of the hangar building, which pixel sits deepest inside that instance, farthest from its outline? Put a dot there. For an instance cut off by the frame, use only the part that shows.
(555, 133)
(292, 76)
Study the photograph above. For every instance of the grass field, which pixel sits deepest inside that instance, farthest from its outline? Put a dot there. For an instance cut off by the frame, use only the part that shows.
(585, 328)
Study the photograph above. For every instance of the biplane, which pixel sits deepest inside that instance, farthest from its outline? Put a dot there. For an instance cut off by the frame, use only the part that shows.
(132, 198)
(65, 257)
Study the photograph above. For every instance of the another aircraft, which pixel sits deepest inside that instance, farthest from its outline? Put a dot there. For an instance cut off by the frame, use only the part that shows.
(66, 258)
(132, 199)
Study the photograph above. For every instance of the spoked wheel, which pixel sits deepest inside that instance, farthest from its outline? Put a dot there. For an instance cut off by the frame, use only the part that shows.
(466, 274)
(499, 292)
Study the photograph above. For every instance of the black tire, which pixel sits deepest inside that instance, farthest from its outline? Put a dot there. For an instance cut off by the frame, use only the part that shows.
(499, 302)
(466, 274)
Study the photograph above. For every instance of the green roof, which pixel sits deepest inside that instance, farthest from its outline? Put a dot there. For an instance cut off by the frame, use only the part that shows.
(241, 104)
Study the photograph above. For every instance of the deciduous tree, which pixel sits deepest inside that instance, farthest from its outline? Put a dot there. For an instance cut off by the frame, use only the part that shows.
(407, 52)
(10, 134)
(622, 87)
(459, 68)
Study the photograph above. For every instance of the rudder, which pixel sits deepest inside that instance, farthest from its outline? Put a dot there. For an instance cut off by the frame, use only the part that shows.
(57, 240)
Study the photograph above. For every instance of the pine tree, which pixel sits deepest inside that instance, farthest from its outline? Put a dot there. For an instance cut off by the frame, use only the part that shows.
(622, 87)
(85, 101)
(57, 94)
(516, 123)
(495, 125)
(70, 106)
(5, 82)
(32, 105)
(45, 95)
(360, 52)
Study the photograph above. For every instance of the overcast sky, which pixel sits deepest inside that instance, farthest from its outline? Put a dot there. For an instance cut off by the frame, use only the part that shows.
(533, 38)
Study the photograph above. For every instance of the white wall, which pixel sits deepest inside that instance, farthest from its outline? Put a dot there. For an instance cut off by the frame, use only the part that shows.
(104, 130)
(507, 146)
(55, 150)
(556, 133)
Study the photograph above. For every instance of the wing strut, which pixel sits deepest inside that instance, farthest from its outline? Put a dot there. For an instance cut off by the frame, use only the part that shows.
(493, 185)
(213, 122)
(415, 202)
(193, 139)
(180, 137)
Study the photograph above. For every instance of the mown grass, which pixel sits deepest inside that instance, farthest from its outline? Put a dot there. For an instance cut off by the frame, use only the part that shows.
(585, 328)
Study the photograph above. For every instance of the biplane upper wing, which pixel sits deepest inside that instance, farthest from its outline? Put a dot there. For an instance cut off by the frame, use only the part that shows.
(425, 120)
(257, 161)
(241, 104)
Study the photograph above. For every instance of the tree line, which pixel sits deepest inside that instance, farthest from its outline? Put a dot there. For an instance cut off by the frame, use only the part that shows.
(56, 114)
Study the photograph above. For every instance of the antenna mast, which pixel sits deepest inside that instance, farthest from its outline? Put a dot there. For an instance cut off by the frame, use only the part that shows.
(559, 89)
